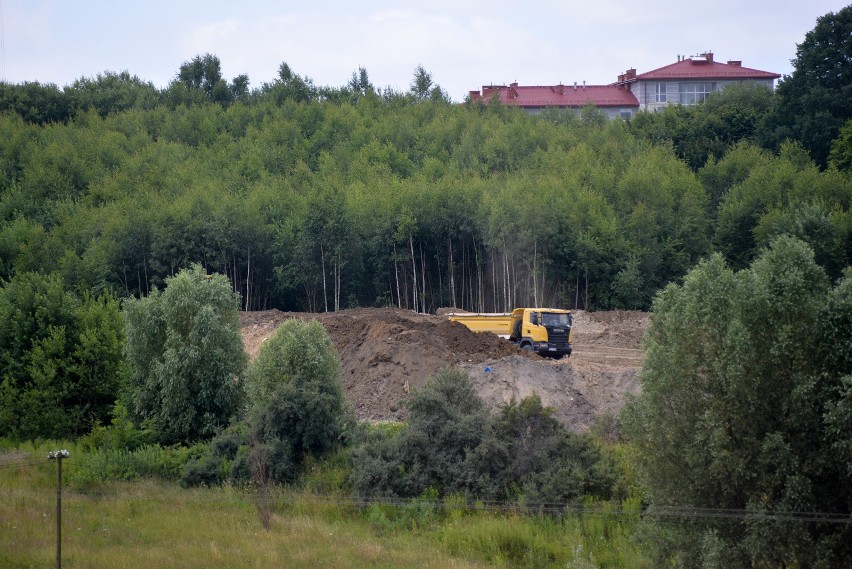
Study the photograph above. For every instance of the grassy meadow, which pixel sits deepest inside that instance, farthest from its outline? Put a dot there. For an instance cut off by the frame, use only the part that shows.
(153, 523)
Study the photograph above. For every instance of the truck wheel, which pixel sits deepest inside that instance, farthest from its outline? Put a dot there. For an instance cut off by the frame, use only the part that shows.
(527, 347)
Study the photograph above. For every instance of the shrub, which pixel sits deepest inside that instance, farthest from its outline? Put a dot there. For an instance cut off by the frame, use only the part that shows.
(61, 360)
(186, 355)
(215, 464)
(452, 445)
(744, 405)
(120, 434)
(296, 398)
(299, 353)
(447, 421)
(121, 464)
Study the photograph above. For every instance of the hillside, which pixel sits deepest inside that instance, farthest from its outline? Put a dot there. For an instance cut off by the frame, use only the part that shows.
(386, 353)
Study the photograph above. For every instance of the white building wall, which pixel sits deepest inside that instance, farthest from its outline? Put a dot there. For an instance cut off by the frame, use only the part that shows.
(646, 91)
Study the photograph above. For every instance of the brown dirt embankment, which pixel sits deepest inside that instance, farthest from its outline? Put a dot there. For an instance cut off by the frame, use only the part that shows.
(387, 353)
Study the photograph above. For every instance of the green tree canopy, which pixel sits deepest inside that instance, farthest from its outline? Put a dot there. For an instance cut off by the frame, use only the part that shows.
(452, 444)
(298, 352)
(298, 406)
(186, 356)
(841, 149)
(61, 361)
(816, 100)
(741, 409)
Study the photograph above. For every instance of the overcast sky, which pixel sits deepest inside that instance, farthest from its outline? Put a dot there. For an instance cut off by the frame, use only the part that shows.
(464, 44)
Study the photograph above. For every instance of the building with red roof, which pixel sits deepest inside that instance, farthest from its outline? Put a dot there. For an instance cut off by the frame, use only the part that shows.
(614, 100)
(688, 81)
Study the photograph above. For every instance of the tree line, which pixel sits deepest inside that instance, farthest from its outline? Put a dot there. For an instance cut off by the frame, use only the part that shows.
(135, 223)
(318, 205)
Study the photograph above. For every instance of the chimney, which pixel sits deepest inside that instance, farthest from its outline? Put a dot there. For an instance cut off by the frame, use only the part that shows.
(631, 74)
(734, 63)
(560, 89)
(584, 83)
(575, 85)
(708, 55)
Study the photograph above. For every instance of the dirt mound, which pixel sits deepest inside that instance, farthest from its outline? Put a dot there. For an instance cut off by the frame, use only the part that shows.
(386, 353)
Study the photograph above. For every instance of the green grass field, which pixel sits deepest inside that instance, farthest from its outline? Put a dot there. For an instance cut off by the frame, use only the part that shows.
(150, 523)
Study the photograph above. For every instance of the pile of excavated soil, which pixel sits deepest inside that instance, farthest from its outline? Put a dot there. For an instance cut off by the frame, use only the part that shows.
(387, 353)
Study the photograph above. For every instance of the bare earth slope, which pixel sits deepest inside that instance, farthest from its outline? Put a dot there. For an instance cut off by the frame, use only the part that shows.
(387, 353)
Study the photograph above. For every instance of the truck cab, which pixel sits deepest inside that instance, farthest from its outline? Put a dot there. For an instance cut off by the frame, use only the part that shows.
(546, 331)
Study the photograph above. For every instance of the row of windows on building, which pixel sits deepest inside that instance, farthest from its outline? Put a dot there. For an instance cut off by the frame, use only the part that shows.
(688, 93)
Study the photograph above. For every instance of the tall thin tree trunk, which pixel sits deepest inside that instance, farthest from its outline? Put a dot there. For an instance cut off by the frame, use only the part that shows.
(577, 291)
(324, 289)
(513, 282)
(462, 291)
(248, 280)
(452, 274)
(413, 273)
(422, 279)
(145, 271)
(505, 268)
(337, 271)
(494, 281)
(441, 297)
(479, 292)
(535, 273)
(396, 271)
(312, 306)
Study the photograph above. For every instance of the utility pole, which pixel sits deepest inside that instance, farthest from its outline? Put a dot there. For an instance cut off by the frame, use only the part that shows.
(58, 455)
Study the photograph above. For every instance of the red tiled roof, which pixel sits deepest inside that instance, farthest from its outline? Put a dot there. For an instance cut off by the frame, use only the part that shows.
(560, 95)
(700, 68)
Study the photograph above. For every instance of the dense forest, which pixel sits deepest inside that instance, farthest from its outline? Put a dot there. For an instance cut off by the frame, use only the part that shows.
(135, 223)
(319, 199)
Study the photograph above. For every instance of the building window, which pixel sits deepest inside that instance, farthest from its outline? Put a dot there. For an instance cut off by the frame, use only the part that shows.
(626, 114)
(660, 93)
(694, 93)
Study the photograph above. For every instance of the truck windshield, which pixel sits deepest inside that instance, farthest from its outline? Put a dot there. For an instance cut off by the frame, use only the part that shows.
(553, 320)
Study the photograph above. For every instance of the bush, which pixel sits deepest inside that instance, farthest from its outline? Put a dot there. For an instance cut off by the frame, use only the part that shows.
(447, 421)
(186, 355)
(744, 406)
(451, 444)
(121, 464)
(297, 403)
(121, 434)
(61, 359)
(215, 464)
(298, 353)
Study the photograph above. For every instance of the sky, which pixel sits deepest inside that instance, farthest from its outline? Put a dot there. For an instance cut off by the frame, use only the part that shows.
(463, 44)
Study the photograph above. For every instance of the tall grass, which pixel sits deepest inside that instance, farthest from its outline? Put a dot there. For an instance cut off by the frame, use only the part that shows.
(601, 536)
(152, 522)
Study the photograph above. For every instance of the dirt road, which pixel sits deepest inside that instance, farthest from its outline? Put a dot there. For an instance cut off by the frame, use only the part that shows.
(387, 353)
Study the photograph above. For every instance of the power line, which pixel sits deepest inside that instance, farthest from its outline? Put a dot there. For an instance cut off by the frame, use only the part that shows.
(285, 497)
(656, 512)
(21, 463)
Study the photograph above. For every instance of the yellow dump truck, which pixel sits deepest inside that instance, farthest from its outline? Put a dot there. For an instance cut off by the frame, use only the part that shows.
(546, 331)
